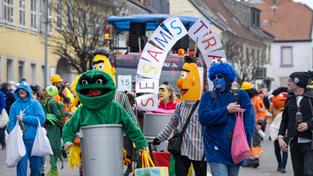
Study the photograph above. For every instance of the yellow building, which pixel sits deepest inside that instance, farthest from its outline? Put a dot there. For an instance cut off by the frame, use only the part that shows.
(22, 41)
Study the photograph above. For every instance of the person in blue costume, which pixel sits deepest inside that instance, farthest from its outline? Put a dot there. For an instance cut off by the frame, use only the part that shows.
(217, 112)
(26, 110)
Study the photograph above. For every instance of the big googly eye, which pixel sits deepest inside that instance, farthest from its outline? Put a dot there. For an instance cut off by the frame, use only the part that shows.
(183, 75)
(101, 66)
(222, 60)
(99, 81)
(94, 67)
(214, 61)
(84, 82)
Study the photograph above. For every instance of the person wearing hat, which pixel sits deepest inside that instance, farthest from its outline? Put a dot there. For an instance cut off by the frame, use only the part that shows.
(217, 113)
(53, 116)
(276, 109)
(28, 113)
(297, 119)
(260, 116)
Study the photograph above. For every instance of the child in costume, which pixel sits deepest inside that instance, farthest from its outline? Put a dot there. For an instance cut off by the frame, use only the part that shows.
(52, 125)
(96, 91)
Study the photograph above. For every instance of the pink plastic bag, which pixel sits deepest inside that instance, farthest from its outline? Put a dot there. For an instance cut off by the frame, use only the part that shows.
(239, 145)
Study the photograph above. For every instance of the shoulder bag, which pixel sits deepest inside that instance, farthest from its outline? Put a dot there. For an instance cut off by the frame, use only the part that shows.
(174, 144)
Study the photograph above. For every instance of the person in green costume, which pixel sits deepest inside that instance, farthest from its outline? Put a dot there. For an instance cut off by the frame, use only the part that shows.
(53, 115)
(96, 91)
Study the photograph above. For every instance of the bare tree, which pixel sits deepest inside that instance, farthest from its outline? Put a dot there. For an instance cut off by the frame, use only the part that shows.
(245, 60)
(80, 27)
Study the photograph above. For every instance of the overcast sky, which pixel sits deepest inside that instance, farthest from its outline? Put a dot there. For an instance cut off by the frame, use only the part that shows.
(307, 2)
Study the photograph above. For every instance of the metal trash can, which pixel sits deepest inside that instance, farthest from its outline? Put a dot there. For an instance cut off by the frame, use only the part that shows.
(153, 124)
(102, 149)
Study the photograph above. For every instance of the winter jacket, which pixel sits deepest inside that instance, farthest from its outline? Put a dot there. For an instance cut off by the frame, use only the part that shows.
(9, 99)
(31, 109)
(289, 115)
(2, 102)
(219, 124)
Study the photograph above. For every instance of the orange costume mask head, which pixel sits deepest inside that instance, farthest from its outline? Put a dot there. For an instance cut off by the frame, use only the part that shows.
(189, 81)
(279, 97)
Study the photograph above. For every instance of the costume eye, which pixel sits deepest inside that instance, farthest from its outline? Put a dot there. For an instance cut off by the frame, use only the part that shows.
(99, 81)
(101, 66)
(94, 67)
(183, 75)
(84, 82)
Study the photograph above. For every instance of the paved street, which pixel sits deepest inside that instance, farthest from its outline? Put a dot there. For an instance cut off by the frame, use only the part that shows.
(267, 166)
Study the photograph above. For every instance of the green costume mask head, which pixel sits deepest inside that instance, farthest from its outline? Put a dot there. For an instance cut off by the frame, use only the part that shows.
(95, 89)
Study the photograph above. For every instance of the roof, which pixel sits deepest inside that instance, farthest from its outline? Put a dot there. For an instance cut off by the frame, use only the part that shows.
(152, 20)
(225, 15)
(286, 24)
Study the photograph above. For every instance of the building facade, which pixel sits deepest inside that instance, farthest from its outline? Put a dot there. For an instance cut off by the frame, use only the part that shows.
(292, 47)
(22, 48)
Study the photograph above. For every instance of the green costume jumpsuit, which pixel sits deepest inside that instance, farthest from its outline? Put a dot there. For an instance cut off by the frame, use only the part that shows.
(100, 108)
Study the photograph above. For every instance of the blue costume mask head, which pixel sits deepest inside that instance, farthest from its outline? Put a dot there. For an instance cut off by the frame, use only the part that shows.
(219, 82)
(222, 75)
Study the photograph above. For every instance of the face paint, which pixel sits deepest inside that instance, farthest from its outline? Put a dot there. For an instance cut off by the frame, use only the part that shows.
(219, 82)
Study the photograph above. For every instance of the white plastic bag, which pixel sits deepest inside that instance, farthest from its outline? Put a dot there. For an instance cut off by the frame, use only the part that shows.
(4, 118)
(15, 146)
(41, 146)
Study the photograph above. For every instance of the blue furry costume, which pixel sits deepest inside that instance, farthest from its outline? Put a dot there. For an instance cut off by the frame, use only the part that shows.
(219, 123)
(32, 110)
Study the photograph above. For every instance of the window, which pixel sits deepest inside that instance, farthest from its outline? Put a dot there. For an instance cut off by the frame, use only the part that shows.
(49, 16)
(59, 14)
(21, 12)
(10, 76)
(33, 14)
(33, 68)
(20, 70)
(8, 10)
(286, 56)
(255, 17)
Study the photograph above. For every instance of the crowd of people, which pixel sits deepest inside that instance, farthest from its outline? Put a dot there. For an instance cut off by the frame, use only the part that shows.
(206, 120)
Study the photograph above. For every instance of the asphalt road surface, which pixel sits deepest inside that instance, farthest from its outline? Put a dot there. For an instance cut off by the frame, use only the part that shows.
(267, 167)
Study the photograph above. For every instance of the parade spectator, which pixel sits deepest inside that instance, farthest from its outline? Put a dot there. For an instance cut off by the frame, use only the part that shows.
(260, 117)
(297, 119)
(167, 96)
(276, 109)
(9, 100)
(9, 96)
(27, 111)
(192, 143)
(167, 102)
(2, 130)
(217, 112)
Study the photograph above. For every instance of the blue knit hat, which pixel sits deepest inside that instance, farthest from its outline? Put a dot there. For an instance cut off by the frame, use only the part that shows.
(224, 69)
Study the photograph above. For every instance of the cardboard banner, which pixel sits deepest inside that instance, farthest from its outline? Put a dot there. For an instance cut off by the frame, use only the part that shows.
(149, 69)
(176, 28)
(153, 54)
(163, 39)
(209, 56)
(147, 102)
(144, 85)
(209, 42)
(199, 29)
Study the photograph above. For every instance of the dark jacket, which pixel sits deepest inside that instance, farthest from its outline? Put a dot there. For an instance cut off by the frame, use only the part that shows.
(9, 99)
(289, 115)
